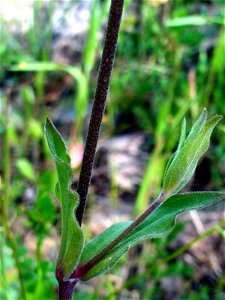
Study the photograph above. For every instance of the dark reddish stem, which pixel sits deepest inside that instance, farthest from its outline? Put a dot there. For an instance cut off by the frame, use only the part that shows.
(66, 286)
(66, 289)
(105, 70)
(81, 271)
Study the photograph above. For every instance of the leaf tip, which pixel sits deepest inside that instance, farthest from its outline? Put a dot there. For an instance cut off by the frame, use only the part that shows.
(204, 115)
(220, 117)
(47, 124)
(216, 119)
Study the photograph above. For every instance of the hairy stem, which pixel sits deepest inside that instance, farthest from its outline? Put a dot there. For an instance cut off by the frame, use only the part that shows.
(66, 289)
(82, 270)
(98, 108)
(5, 201)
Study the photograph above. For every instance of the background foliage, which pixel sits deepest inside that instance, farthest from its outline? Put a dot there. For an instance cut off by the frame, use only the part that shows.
(169, 63)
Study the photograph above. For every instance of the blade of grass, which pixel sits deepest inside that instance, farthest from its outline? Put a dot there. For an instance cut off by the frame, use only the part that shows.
(5, 201)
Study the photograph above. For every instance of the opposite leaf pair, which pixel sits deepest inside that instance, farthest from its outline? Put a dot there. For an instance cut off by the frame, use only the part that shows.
(83, 262)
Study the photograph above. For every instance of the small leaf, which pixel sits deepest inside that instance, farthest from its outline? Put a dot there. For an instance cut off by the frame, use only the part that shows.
(56, 143)
(193, 20)
(28, 96)
(180, 145)
(196, 128)
(198, 125)
(35, 128)
(160, 223)
(184, 162)
(182, 135)
(72, 238)
(26, 169)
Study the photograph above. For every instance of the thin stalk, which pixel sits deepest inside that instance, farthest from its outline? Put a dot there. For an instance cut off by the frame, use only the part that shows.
(5, 201)
(81, 271)
(98, 108)
(38, 251)
(3, 280)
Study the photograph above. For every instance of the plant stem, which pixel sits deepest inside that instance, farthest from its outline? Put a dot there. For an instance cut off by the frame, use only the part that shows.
(5, 201)
(98, 108)
(66, 289)
(82, 270)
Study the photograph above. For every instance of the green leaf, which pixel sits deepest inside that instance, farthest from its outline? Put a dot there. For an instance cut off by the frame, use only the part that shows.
(28, 98)
(57, 192)
(183, 165)
(36, 67)
(26, 169)
(158, 224)
(195, 130)
(182, 135)
(72, 238)
(198, 125)
(194, 20)
(35, 128)
(180, 145)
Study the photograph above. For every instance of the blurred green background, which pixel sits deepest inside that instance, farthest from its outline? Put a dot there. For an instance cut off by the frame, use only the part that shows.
(170, 63)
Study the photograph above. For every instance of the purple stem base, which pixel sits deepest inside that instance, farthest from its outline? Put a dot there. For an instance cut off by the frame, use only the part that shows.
(66, 289)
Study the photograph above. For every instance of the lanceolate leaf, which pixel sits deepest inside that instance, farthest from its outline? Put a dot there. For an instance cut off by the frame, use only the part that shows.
(158, 224)
(180, 145)
(198, 125)
(195, 130)
(72, 238)
(182, 135)
(183, 165)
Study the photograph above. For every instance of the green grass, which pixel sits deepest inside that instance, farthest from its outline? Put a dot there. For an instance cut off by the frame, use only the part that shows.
(162, 73)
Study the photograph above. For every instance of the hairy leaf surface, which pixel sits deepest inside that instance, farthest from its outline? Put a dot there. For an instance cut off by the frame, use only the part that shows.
(72, 238)
(184, 162)
(158, 224)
